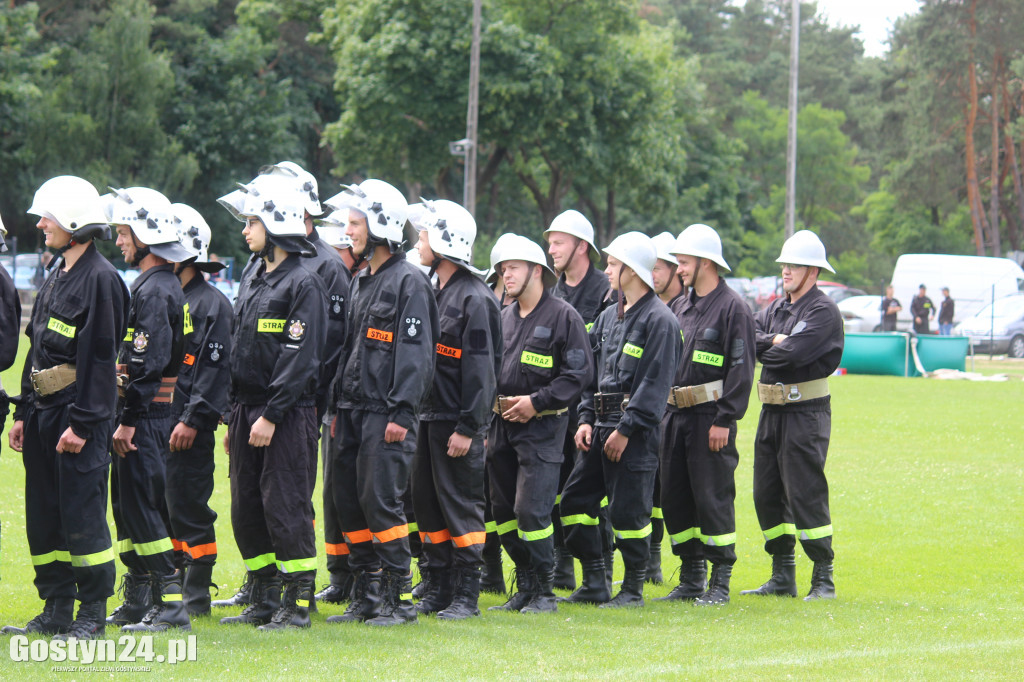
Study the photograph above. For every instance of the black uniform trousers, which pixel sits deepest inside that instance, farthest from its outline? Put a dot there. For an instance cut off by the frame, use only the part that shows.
(66, 509)
(189, 488)
(272, 492)
(522, 463)
(790, 490)
(370, 479)
(568, 464)
(334, 540)
(138, 500)
(448, 498)
(698, 488)
(629, 487)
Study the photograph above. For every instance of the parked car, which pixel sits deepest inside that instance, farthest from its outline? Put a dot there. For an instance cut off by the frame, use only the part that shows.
(767, 290)
(838, 291)
(861, 314)
(997, 328)
(745, 288)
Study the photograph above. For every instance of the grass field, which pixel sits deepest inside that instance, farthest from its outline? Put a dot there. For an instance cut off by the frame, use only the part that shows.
(927, 481)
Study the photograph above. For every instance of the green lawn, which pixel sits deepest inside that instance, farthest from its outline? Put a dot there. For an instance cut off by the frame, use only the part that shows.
(927, 483)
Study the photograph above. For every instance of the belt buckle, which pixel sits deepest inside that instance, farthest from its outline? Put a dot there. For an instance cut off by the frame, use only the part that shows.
(622, 405)
(794, 394)
(32, 379)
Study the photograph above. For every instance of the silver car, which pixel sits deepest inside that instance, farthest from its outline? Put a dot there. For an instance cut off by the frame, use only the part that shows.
(998, 328)
(861, 314)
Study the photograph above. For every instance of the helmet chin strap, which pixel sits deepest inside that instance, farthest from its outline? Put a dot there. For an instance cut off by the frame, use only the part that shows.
(620, 305)
(803, 280)
(139, 255)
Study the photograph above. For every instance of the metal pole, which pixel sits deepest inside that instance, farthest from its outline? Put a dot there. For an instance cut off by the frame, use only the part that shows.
(469, 186)
(794, 60)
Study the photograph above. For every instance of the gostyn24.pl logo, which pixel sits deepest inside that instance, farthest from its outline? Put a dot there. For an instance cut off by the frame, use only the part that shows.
(125, 649)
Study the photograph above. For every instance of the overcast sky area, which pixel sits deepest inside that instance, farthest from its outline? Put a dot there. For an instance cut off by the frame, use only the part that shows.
(875, 18)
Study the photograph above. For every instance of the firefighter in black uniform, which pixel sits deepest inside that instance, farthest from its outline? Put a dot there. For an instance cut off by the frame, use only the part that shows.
(62, 425)
(10, 323)
(545, 365)
(710, 394)
(799, 344)
(572, 249)
(448, 472)
(200, 398)
(383, 382)
(278, 331)
(149, 359)
(636, 347)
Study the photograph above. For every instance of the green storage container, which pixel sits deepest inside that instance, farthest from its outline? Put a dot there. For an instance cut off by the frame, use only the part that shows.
(942, 352)
(877, 354)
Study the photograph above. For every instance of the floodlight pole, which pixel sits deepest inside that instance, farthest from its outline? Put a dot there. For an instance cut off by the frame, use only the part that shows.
(794, 61)
(469, 182)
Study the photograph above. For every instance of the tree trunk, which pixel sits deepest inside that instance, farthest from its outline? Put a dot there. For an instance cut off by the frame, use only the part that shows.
(610, 224)
(973, 193)
(994, 221)
(1013, 226)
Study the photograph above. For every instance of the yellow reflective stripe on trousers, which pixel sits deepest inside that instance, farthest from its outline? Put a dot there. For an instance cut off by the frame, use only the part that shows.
(62, 328)
(558, 499)
(297, 565)
(94, 559)
(632, 534)
(124, 546)
(779, 530)
(170, 597)
(50, 557)
(684, 536)
(258, 562)
(271, 326)
(414, 527)
(604, 502)
(155, 547)
(656, 513)
(581, 519)
(719, 540)
(490, 527)
(507, 527)
(816, 533)
(532, 535)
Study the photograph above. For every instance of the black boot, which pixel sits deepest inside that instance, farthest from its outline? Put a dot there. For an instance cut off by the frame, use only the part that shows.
(426, 574)
(543, 599)
(339, 590)
(89, 624)
(718, 586)
(439, 594)
(240, 598)
(609, 566)
(366, 599)
(294, 609)
(654, 575)
(138, 600)
(265, 596)
(168, 607)
(693, 576)
(55, 619)
(196, 589)
(783, 580)
(522, 587)
(565, 571)
(397, 607)
(465, 595)
(632, 591)
(822, 585)
(493, 579)
(595, 589)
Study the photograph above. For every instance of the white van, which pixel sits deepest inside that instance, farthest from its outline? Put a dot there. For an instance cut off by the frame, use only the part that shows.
(973, 281)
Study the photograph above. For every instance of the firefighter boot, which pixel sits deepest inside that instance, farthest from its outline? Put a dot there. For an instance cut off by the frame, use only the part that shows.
(493, 580)
(595, 589)
(522, 588)
(240, 598)
(294, 610)
(366, 597)
(89, 624)
(822, 586)
(654, 575)
(168, 607)
(423, 585)
(339, 590)
(565, 572)
(543, 599)
(783, 580)
(138, 600)
(465, 595)
(265, 600)
(609, 566)
(439, 593)
(397, 607)
(692, 581)
(631, 594)
(196, 589)
(55, 619)
(718, 586)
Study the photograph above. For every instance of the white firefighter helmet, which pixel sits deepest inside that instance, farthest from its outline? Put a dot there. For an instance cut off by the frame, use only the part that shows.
(194, 234)
(804, 248)
(3, 233)
(234, 202)
(385, 208)
(701, 241)
(450, 228)
(149, 215)
(663, 244)
(332, 229)
(492, 275)
(517, 247)
(574, 223)
(305, 184)
(636, 250)
(273, 199)
(73, 203)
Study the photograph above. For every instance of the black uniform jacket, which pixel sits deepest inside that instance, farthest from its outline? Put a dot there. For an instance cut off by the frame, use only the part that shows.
(277, 337)
(814, 343)
(637, 355)
(78, 318)
(391, 342)
(10, 321)
(589, 297)
(922, 306)
(547, 355)
(718, 343)
(327, 264)
(154, 343)
(468, 356)
(201, 394)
